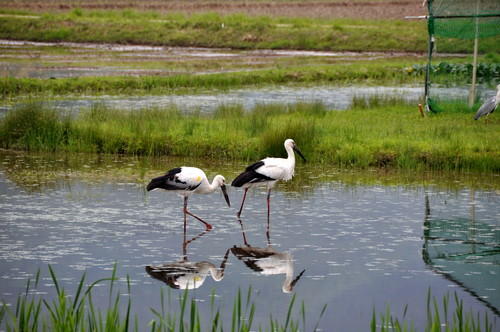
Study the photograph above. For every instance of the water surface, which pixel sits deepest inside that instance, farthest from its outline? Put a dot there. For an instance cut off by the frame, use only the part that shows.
(364, 238)
(332, 97)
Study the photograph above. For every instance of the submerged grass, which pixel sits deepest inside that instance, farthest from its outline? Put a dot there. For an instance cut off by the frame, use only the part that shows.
(78, 312)
(378, 133)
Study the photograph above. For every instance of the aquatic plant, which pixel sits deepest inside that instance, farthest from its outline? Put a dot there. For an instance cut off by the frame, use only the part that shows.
(377, 132)
(387, 71)
(439, 318)
(79, 312)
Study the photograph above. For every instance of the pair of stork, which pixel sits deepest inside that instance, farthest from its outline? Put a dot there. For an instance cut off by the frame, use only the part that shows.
(191, 180)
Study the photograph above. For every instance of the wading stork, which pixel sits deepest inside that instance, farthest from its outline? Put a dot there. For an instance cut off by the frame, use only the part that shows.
(186, 181)
(268, 171)
(489, 106)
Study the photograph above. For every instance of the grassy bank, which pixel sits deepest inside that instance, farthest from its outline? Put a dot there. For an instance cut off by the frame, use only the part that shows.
(214, 30)
(78, 312)
(377, 133)
(388, 72)
(239, 31)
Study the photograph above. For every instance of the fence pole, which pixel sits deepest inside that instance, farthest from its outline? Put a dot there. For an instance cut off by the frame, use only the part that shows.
(472, 92)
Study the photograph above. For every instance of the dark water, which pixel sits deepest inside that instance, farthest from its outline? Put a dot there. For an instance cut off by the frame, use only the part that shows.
(365, 239)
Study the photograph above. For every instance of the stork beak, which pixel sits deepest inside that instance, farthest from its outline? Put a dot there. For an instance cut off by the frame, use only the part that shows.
(296, 149)
(297, 278)
(224, 191)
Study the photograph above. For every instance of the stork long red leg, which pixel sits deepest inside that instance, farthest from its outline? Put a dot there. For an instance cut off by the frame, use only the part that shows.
(242, 202)
(268, 212)
(186, 211)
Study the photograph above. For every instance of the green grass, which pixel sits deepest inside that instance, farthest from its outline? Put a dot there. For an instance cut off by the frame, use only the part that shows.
(380, 133)
(79, 312)
(234, 31)
(381, 72)
(388, 72)
(439, 318)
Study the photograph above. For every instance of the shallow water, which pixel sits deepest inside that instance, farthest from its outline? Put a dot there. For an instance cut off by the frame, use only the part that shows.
(332, 97)
(101, 59)
(365, 239)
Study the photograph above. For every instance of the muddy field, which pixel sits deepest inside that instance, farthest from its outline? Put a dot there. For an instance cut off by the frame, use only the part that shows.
(57, 60)
(374, 9)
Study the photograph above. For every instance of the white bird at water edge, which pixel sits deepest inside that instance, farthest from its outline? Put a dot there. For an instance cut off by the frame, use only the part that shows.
(268, 171)
(186, 181)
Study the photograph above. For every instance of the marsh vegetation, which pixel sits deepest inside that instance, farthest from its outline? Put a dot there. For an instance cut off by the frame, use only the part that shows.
(381, 133)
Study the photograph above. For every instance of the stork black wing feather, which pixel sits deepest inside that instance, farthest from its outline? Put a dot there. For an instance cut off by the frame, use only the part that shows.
(169, 181)
(250, 175)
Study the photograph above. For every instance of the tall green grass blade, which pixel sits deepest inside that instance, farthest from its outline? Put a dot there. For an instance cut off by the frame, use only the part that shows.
(113, 277)
(216, 321)
(251, 316)
(183, 309)
(322, 312)
(54, 280)
(192, 316)
(303, 314)
(289, 312)
(79, 290)
(373, 322)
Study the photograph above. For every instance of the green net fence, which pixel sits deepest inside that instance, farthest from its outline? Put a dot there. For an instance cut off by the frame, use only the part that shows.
(470, 28)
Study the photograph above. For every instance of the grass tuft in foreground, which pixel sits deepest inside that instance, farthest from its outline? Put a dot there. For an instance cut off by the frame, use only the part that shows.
(375, 133)
(78, 312)
(439, 318)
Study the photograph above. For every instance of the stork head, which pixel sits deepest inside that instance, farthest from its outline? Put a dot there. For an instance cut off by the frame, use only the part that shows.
(220, 181)
(217, 274)
(291, 143)
(288, 287)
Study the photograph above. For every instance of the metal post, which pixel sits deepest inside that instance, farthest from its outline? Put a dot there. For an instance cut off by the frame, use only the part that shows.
(430, 29)
(472, 92)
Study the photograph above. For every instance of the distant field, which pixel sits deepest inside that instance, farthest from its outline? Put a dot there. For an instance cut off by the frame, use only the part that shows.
(365, 9)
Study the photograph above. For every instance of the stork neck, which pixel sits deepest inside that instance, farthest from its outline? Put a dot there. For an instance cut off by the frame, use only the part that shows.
(213, 186)
(291, 154)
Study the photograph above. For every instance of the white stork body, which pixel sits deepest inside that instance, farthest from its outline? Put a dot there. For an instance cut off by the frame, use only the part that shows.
(489, 106)
(186, 181)
(268, 171)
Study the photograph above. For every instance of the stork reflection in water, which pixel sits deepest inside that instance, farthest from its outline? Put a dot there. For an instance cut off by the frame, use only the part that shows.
(185, 274)
(267, 261)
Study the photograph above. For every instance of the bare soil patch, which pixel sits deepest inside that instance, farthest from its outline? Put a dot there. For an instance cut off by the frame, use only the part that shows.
(375, 9)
